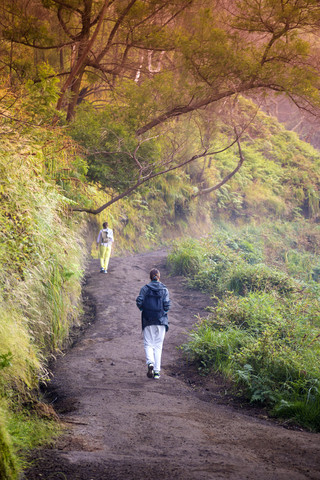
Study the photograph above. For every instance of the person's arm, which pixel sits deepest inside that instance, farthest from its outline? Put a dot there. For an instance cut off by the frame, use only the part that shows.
(99, 238)
(166, 301)
(140, 298)
(110, 235)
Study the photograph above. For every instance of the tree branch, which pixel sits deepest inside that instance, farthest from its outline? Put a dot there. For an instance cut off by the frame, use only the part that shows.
(81, 60)
(180, 110)
(40, 47)
(114, 30)
(63, 24)
(67, 6)
(142, 180)
(227, 177)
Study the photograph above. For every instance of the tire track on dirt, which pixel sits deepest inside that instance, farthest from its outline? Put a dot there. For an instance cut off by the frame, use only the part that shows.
(123, 426)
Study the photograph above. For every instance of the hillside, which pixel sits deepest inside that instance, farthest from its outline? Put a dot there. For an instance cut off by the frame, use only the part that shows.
(147, 115)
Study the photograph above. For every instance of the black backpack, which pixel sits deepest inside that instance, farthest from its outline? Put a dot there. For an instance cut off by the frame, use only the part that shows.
(153, 305)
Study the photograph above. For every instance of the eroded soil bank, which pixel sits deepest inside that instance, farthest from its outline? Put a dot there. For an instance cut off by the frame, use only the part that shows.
(123, 426)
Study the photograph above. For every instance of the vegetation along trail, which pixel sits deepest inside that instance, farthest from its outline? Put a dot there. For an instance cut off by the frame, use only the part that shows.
(122, 425)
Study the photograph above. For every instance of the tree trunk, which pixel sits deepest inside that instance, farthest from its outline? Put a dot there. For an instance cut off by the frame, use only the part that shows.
(77, 71)
(75, 89)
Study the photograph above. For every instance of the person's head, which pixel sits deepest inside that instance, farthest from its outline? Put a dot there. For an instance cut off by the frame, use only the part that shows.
(105, 225)
(155, 274)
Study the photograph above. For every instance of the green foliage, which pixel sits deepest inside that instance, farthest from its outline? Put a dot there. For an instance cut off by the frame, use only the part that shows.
(41, 265)
(5, 360)
(268, 345)
(264, 329)
(304, 412)
(246, 278)
(42, 94)
(209, 347)
(279, 176)
(8, 462)
(186, 258)
(29, 431)
(216, 263)
(110, 143)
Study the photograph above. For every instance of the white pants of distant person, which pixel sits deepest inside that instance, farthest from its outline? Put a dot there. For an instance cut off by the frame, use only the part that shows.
(153, 337)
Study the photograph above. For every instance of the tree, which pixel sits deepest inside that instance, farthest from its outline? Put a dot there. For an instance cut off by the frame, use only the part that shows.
(155, 61)
(212, 52)
(108, 39)
(252, 47)
(118, 160)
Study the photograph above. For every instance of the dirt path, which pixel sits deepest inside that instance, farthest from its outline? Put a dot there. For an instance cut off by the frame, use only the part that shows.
(124, 426)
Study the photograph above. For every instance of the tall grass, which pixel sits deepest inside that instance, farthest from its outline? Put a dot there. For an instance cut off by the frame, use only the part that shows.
(42, 254)
(8, 461)
(264, 330)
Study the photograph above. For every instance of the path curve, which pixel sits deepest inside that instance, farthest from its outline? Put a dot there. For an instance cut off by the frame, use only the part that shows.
(123, 426)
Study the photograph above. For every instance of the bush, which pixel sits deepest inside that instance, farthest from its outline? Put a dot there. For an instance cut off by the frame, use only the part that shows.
(250, 278)
(186, 258)
(248, 251)
(269, 344)
(305, 412)
(211, 349)
(215, 265)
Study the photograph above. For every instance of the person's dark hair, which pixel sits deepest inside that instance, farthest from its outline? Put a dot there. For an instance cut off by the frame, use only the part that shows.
(105, 225)
(154, 274)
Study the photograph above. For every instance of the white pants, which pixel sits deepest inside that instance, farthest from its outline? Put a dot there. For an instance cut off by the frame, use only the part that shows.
(153, 337)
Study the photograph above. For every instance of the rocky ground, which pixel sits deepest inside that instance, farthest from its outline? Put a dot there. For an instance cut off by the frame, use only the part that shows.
(120, 425)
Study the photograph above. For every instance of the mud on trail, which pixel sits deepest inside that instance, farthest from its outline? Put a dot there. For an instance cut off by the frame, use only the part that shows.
(121, 425)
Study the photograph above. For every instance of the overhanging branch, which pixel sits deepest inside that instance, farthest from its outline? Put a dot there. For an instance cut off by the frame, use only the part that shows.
(227, 177)
(142, 180)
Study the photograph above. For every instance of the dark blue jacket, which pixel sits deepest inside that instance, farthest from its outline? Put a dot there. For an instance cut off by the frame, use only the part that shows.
(155, 285)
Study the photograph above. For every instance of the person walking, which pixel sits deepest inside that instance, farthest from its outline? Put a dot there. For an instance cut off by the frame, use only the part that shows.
(154, 303)
(104, 244)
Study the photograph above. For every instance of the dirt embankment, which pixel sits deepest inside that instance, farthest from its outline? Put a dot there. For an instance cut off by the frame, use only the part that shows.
(123, 426)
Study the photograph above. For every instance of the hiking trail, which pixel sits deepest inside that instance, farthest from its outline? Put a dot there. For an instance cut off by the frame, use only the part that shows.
(121, 425)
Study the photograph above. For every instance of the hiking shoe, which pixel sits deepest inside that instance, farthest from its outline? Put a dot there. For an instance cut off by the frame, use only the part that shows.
(105, 271)
(150, 370)
(101, 270)
(156, 375)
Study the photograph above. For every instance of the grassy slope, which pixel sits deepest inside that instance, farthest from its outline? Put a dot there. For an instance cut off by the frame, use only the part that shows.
(264, 332)
(42, 246)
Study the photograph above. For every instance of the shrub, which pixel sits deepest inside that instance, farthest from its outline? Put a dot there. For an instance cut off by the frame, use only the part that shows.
(248, 251)
(211, 348)
(214, 266)
(269, 344)
(246, 278)
(305, 411)
(186, 258)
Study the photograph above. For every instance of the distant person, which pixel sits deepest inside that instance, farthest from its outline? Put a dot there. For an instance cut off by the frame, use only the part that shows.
(154, 303)
(104, 244)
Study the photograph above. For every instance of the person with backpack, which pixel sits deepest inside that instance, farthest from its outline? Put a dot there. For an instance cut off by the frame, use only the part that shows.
(154, 303)
(104, 243)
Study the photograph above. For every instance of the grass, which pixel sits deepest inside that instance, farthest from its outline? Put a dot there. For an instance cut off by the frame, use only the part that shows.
(29, 431)
(42, 253)
(9, 465)
(264, 331)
